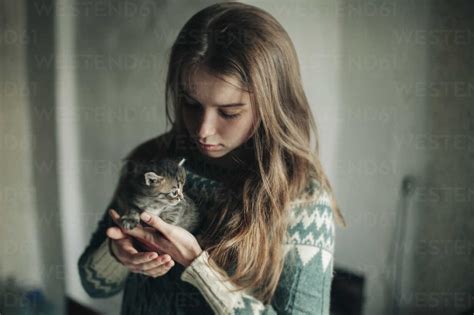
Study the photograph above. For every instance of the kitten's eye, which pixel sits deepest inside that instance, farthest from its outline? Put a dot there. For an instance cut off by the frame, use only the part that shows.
(173, 193)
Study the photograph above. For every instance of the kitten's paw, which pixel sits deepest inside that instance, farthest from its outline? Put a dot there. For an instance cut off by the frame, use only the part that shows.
(129, 222)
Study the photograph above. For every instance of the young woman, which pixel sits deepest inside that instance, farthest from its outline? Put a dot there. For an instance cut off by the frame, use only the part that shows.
(241, 118)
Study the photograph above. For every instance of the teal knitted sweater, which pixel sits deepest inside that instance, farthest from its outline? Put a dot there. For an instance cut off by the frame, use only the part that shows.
(303, 288)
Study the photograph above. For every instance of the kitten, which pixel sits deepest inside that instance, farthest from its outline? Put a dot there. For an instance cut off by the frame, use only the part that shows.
(156, 187)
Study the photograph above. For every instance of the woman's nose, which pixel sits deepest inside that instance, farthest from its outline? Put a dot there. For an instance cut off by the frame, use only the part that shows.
(207, 125)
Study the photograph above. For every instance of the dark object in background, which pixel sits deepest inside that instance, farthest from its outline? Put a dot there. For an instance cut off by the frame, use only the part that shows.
(347, 293)
(74, 308)
(468, 312)
(17, 299)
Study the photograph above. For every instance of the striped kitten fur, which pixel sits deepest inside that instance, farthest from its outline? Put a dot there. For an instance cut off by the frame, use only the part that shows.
(156, 187)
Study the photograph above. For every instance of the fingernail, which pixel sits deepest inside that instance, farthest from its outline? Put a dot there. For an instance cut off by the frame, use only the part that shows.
(145, 216)
(152, 256)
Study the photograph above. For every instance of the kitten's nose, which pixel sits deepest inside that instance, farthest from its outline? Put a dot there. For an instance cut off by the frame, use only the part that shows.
(180, 196)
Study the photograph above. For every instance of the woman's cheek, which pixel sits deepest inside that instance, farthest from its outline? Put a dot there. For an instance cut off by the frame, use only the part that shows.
(189, 122)
(238, 130)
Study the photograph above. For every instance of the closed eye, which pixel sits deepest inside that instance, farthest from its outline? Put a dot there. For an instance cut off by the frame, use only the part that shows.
(229, 115)
(226, 114)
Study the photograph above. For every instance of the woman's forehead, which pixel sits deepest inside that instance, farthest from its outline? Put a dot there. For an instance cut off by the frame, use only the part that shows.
(201, 78)
(212, 89)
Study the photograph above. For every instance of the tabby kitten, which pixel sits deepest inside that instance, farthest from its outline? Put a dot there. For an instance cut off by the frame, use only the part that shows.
(156, 187)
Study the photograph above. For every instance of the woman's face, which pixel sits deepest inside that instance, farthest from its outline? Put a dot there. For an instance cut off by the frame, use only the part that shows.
(217, 114)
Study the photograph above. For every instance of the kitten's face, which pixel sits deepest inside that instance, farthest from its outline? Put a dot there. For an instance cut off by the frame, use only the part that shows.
(170, 190)
(165, 180)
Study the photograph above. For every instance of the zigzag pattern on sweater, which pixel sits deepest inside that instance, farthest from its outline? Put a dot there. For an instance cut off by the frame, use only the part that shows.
(202, 190)
(100, 284)
(311, 228)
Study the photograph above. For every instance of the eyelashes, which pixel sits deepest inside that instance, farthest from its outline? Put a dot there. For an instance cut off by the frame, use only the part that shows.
(229, 116)
(197, 107)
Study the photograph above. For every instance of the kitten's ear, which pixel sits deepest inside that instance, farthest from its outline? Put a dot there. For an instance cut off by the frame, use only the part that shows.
(151, 178)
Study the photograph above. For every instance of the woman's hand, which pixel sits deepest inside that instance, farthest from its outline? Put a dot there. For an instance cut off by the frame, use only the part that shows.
(147, 263)
(173, 240)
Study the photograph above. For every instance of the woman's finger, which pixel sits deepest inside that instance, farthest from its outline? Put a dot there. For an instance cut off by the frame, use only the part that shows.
(140, 232)
(115, 216)
(133, 261)
(148, 236)
(157, 262)
(159, 271)
(157, 223)
(127, 246)
(140, 258)
(115, 233)
(122, 240)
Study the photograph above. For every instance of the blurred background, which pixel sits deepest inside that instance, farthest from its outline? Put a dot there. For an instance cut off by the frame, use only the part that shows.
(391, 84)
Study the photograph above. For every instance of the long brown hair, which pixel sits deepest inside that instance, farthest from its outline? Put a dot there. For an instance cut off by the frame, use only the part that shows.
(240, 40)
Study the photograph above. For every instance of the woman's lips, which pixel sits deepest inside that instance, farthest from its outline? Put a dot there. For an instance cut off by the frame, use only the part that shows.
(209, 147)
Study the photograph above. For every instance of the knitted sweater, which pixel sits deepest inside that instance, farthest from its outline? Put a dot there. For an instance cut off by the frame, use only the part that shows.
(303, 288)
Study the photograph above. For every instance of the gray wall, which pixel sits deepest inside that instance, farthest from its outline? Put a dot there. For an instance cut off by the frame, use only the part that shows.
(380, 113)
(444, 271)
(31, 246)
(17, 198)
(406, 95)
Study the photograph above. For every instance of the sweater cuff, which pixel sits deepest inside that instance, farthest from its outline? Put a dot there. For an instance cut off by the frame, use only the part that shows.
(106, 266)
(218, 292)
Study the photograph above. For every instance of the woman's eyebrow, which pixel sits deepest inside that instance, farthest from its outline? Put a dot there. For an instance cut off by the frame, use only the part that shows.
(217, 105)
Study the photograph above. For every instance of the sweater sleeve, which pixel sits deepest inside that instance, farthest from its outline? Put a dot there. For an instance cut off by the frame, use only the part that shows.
(101, 274)
(305, 282)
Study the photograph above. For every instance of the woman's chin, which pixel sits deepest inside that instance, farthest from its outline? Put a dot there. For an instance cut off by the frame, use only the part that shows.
(215, 154)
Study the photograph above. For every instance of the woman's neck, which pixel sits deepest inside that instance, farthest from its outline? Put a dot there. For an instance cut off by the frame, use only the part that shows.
(234, 160)
(239, 158)
(231, 169)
